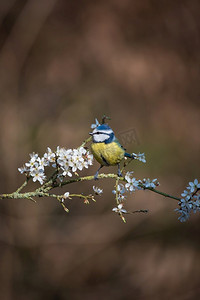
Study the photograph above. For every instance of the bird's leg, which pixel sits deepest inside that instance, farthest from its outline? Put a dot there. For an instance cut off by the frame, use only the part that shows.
(119, 172)
(97, 173)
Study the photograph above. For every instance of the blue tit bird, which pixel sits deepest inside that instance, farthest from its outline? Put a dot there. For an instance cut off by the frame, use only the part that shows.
(106, 148)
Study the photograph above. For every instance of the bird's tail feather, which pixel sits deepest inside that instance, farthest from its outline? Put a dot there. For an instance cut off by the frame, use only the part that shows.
(129, 155)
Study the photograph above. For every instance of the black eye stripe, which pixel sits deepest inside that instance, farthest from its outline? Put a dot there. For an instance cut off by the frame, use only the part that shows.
(98, 132)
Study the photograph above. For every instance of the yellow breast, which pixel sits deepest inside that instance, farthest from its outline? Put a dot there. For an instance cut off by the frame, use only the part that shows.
(107, 154)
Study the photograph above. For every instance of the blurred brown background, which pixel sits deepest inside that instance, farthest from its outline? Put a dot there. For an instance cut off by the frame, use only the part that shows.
(63, 63)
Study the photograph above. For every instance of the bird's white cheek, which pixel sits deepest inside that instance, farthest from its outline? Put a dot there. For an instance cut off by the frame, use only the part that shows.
(98, 138)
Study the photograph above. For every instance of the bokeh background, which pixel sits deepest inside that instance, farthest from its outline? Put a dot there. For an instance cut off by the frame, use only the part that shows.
(63, 63)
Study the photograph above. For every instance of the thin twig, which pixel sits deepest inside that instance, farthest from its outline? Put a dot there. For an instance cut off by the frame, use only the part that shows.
(85, 142)
(161, 193)
(23, 185)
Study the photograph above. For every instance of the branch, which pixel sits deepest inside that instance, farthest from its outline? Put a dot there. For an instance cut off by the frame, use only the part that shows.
(43, 190)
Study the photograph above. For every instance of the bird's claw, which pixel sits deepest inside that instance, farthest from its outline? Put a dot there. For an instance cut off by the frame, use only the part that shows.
(96, 177)
(119, 174)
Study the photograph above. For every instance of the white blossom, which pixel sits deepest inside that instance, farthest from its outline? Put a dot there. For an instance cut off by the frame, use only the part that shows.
(186, 194)
(75, 160)
(71, 160)
(184, 214)
(83, 164)
(93, 126)
(63, 155)
(33, 161)
(148, 183)
(140, 157)
(42, 162)
(38, 175)
(190, 202)
(65, 196)
(49, 156)
(65, 171)
(119, 209)
(89, 158)
(82, 150)
(97, 190)
(23, 169)
(67, 161)
(129, 176)
(193, 186)
(132, 183)
(196, 203)
(120, 192)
